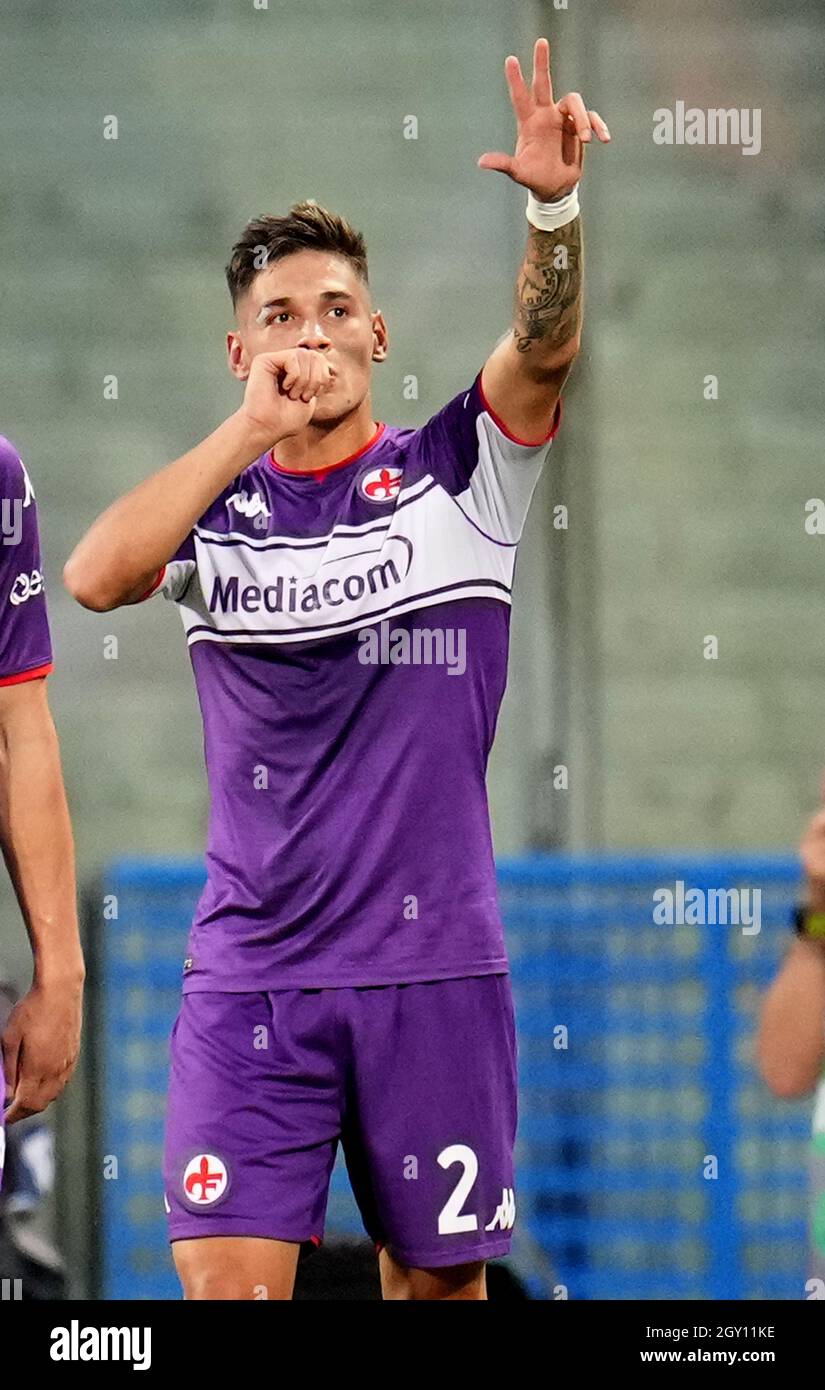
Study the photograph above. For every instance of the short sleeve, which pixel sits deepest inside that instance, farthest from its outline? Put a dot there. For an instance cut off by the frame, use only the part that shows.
(173, 579)
(489, 471)
(25, 641)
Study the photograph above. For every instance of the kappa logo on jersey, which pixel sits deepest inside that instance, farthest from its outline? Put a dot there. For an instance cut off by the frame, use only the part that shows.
(204, 1180)
(505, 1216)
(26, 586)
(381, 484)
(248, 506)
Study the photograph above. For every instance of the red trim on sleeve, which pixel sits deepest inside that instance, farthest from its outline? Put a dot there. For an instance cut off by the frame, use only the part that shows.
(32, 675)
(154, 586)
(528, 443)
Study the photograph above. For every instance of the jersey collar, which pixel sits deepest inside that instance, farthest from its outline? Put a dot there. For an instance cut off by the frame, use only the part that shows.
(319, 474)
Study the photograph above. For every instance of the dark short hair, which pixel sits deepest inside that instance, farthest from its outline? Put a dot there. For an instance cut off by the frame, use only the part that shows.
(307, 227)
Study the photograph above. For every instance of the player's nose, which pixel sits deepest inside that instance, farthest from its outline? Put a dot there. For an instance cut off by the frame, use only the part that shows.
(313, 336)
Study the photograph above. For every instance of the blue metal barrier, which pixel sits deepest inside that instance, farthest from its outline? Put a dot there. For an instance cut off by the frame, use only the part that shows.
(651, 1161)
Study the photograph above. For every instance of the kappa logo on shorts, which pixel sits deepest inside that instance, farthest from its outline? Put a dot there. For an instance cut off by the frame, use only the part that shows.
(205, 1180)
(381, 484)
(505, 1216)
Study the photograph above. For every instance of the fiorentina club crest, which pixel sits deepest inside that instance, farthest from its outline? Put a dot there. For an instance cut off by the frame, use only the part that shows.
(381, 484)
(204, 1179)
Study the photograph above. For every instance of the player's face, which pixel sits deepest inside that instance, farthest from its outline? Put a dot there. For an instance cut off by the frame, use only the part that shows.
(313, 299)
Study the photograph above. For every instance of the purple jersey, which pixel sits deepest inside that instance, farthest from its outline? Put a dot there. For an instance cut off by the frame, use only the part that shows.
(348, 631)
(25, 646)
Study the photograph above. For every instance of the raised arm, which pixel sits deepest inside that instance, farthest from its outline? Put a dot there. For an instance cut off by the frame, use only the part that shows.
(523, 376)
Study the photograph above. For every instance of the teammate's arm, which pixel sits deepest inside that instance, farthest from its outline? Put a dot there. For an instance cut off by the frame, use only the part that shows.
(523, 376)
(42, 1036)
(121, 556)
(790, 1043)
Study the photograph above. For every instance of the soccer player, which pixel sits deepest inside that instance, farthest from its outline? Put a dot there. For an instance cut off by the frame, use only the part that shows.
(41, 1037)
(346, 976)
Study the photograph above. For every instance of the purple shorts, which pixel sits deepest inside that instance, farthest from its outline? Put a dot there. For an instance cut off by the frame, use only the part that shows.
(418, 1081)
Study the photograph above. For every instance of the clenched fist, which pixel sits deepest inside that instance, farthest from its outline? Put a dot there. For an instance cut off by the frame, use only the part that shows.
(282, 391)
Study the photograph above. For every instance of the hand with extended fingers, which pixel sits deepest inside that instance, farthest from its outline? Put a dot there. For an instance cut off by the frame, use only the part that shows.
(551, 134)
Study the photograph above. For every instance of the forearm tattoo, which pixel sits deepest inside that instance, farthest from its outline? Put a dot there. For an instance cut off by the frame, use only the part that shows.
(548, 292)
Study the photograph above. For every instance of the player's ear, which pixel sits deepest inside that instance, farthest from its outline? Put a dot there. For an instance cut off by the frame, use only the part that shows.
(236, 356)
(380, 337)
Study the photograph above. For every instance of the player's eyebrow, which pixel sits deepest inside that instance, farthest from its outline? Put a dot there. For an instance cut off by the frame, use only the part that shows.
(284, 300)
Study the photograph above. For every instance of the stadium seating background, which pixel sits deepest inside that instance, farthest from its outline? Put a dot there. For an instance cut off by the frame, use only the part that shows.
(686, 515)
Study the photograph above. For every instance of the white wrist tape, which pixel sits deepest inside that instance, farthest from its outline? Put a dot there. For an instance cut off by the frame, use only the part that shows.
(548, 217)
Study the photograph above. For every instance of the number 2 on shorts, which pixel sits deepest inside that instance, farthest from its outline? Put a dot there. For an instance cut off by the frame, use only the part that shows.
(450, 1218)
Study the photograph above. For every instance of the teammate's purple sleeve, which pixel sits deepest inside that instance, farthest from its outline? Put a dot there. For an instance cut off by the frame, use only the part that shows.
(25, 643)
